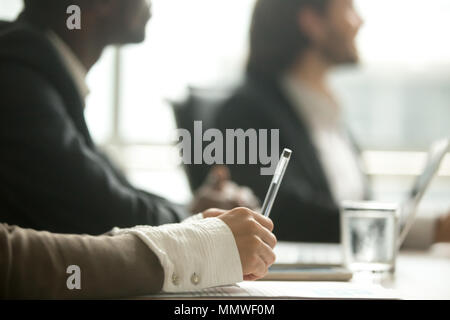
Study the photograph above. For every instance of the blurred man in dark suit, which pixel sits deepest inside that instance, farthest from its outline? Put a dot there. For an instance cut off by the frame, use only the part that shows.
(52, 176)
(293, 46)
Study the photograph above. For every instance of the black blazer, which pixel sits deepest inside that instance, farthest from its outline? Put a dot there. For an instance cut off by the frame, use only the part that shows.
(52, 176)
(304, 209)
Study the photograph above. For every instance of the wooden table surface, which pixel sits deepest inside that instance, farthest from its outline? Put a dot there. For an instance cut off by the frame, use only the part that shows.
(418, 275)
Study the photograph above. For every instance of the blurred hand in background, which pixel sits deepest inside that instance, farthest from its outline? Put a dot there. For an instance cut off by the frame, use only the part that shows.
(220, 192)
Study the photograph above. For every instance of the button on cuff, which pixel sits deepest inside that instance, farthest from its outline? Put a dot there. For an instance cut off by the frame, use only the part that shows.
(195, 279)
(175, 279)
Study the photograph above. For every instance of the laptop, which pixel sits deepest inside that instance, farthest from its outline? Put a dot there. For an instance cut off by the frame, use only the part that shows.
(320, 256)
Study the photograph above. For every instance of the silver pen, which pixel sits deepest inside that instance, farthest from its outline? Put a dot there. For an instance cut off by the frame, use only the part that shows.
(276, 181)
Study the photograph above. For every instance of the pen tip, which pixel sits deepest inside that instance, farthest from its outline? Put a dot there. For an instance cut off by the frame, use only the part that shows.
(287, 153)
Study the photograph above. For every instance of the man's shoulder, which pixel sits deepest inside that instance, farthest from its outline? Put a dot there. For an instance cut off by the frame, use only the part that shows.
(32, 71)
(24, 45)
(18, 38)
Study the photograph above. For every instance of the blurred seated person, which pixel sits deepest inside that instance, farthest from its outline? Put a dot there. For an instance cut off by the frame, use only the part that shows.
(52, 175)
(293, 46)
(226, 248)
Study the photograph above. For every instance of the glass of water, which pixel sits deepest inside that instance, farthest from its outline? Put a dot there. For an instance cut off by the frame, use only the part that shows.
(369, 234)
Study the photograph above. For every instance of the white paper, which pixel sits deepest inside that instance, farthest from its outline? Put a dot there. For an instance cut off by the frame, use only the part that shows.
(299, 290)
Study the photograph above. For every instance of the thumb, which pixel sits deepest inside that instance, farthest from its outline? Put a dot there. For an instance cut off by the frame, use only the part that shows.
(217, 177)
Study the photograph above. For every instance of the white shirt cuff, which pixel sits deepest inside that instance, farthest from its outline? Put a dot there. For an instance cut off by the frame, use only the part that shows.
(196, 255)
(195, 217)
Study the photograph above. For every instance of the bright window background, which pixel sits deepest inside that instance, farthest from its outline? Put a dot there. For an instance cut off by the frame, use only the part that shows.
(399, 98)
(397, 101)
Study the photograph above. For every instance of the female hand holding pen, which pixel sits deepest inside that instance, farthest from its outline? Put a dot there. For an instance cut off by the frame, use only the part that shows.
(254, 236)
(254, 239)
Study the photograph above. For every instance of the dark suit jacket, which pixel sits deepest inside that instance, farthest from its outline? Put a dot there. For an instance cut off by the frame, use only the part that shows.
(52, 176)
(304, 209)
